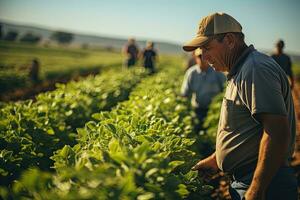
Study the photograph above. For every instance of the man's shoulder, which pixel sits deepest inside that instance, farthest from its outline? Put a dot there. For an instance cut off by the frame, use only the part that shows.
(286, 56)
(258, 62)
(215, 73)
(283, 55)
(192, 69)
(132, 46)
(220, 75)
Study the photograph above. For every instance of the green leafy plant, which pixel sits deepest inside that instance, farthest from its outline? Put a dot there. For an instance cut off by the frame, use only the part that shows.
(139, 150)
(31, 131)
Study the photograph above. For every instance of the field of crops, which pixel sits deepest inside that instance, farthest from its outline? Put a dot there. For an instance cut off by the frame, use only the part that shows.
(122, 134)
(55, 63)
(84, 140)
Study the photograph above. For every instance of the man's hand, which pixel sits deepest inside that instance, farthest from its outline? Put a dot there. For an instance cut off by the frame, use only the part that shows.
(254, 194)
(208, 163)
(207, 167)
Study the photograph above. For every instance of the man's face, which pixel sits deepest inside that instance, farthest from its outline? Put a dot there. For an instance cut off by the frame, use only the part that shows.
(214, 52)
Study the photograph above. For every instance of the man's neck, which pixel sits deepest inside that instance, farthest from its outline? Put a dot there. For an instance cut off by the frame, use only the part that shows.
(279, 52)
(236, 53)
(203, 68)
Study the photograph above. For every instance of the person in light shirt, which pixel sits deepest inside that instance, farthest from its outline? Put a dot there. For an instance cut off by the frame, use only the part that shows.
(201, 83)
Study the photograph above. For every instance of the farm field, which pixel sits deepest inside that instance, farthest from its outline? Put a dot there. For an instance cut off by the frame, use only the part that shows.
(141, 144)
(120, 134)
(159, 100)
(56, 63)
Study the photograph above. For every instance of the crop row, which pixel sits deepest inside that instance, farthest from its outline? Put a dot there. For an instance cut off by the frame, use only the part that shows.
(142, 149)
(31, 131)
(55, 63)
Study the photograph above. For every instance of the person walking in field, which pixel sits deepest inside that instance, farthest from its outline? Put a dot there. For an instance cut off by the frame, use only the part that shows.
(34, 71)
(284, 61)
(256, 132)
(149, 57)
(131, 51)
(201, 83)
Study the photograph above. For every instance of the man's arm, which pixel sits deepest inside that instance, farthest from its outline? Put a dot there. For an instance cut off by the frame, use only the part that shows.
(272, 152)
(209, 163)
(291, 75)
(292, 81)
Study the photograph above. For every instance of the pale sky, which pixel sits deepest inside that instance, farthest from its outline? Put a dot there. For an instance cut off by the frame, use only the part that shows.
(263, 21)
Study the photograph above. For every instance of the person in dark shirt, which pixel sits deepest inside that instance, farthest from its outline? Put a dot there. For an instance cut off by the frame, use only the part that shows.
(131, 52)
(149, 56)
(34, 71)
(284, 61)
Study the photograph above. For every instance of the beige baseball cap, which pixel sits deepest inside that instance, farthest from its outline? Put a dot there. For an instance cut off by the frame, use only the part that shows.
(211, 25)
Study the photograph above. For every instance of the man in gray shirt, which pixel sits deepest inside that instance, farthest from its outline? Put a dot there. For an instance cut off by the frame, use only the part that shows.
(201, 83)
(256, 132)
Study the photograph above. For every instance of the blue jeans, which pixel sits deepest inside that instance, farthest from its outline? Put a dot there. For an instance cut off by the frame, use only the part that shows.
(282, 187)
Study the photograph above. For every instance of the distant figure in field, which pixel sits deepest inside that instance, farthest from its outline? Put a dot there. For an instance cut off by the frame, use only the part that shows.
(34, 70)
(284, 61)
(149, 56)
(131, 51)
(191, 61)
(201, 84)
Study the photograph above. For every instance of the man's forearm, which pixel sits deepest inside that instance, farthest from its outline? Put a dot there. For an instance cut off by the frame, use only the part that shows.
(272, 153)
(271, 157)
(292, 82)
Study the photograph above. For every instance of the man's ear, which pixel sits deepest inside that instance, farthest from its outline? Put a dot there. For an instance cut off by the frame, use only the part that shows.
(230, 40)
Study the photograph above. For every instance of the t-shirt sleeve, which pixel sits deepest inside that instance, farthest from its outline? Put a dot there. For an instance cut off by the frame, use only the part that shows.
(260, 91)
(186, 85)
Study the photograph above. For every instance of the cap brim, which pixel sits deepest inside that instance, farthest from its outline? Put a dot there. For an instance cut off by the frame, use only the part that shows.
(195, 43)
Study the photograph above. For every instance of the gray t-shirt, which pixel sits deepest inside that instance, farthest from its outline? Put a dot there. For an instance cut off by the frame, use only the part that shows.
(204, 85)
(257, 84)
